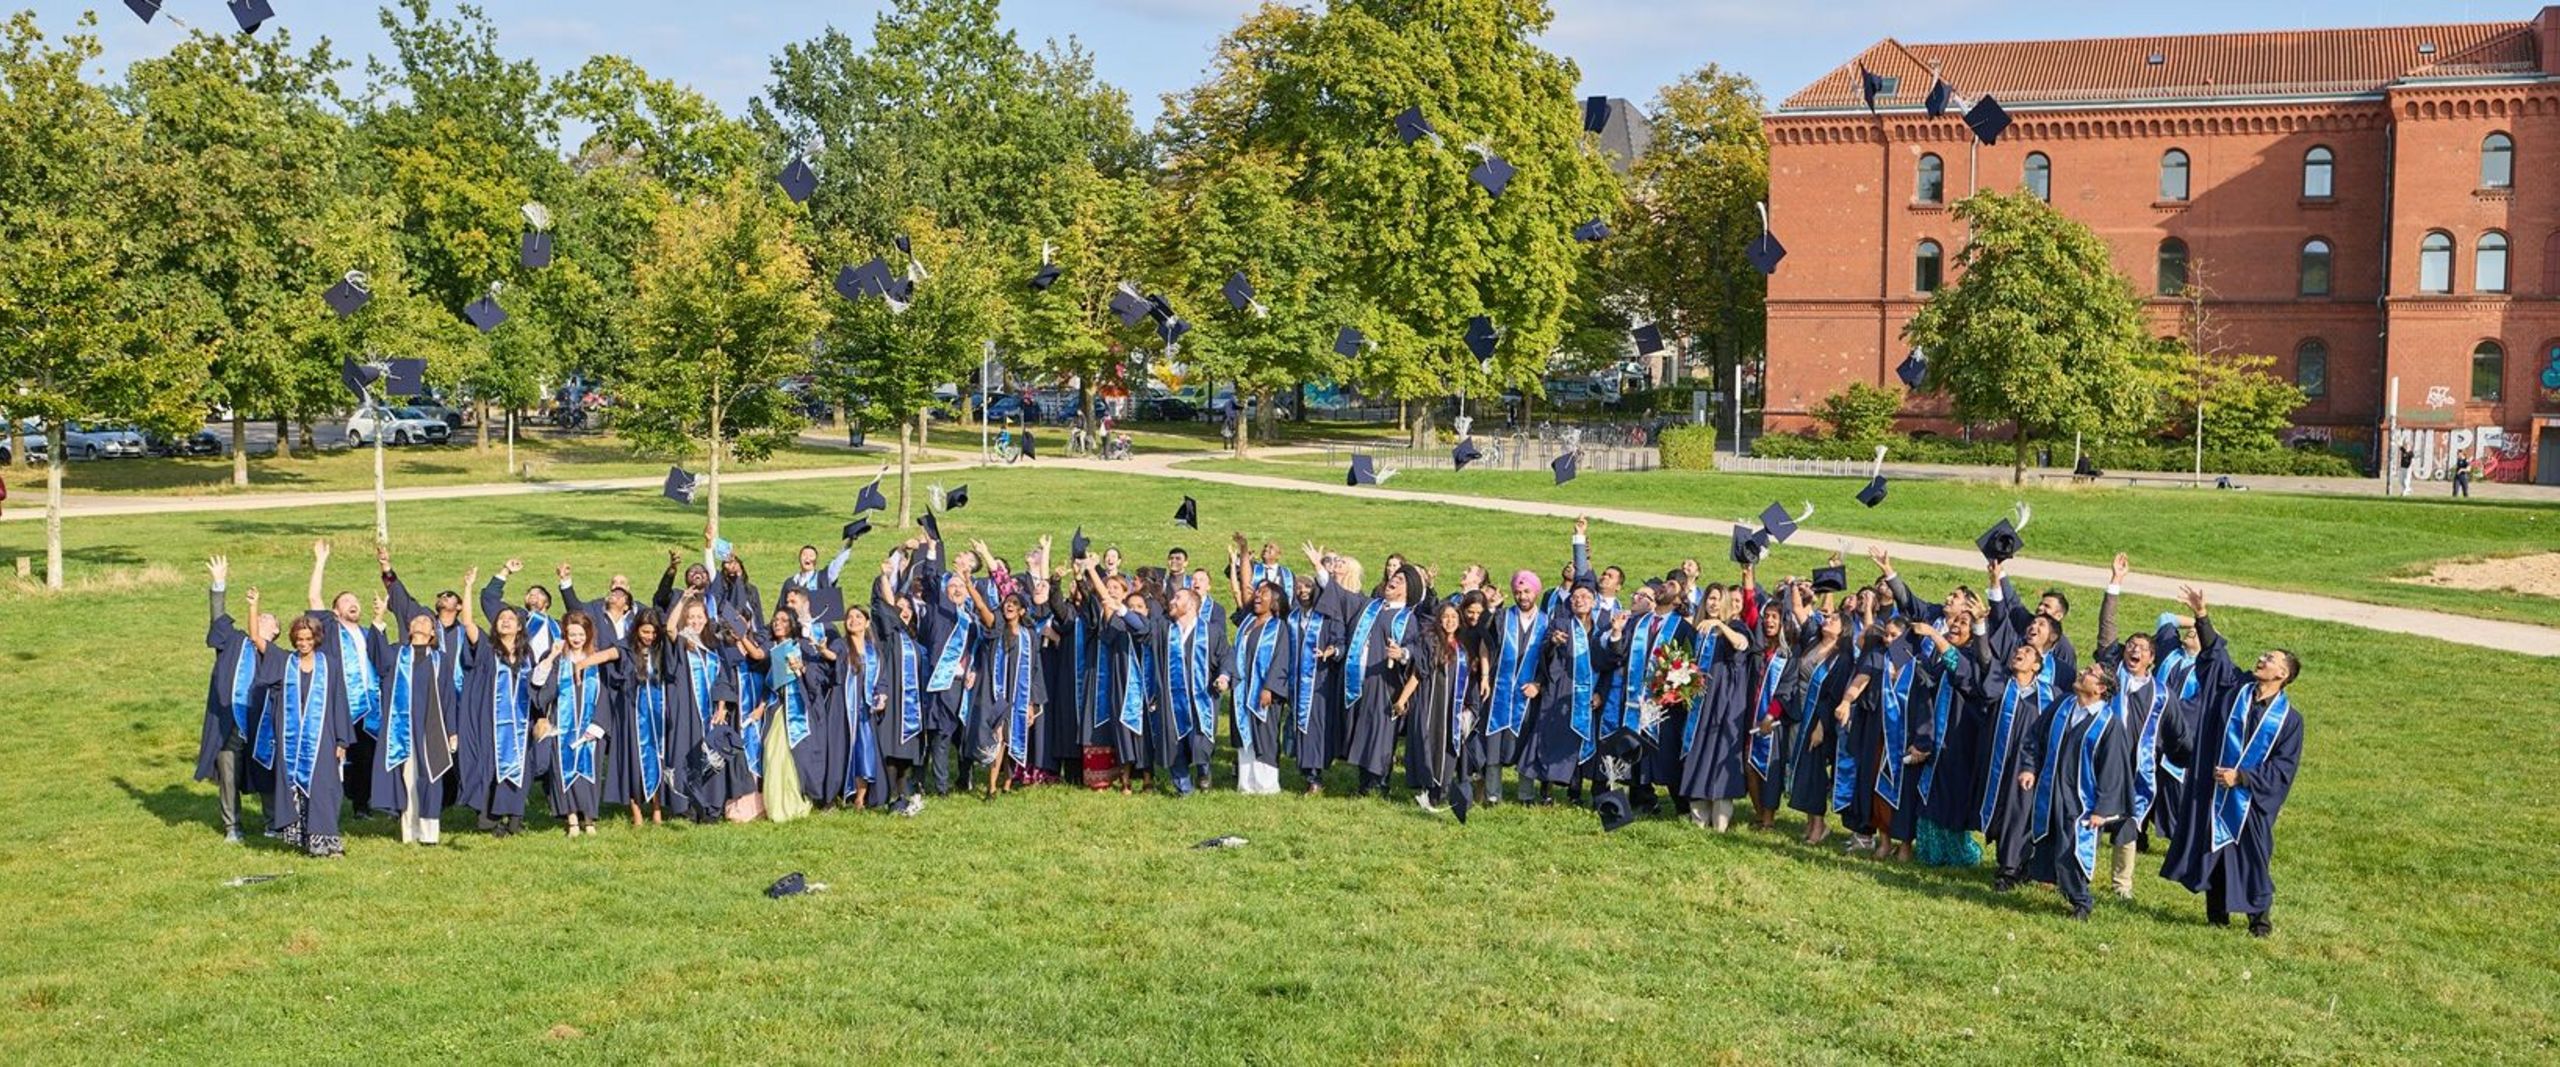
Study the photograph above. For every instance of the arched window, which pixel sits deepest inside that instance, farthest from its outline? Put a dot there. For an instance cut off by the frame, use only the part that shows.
(2435, 263)
(2498, 162)
(1928, 267)
(2040, 176)
(2315, 267)
(2311, 368)
(2489, 264)
(2319, 171)
(2173, 175)
(2173, 267)
(1932, 187)
(2488, 368)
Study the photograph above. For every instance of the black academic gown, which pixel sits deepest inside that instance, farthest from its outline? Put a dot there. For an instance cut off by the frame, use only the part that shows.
(610, 632)
(1057, 743)
(1949, 784)
(823, 746)
(494, 720)
(1180, 736)
(1525, 634)
(1443, 712)
(1129, 662)
(1374, 724)
(2239, 876)
(1263, 690)
(1819, 683)
(575, 762)
(638, 754)
(1661, 763)
(237, 662)
(306, 726)
(1315, 690)
(1556, 746)
(900, 741)
(2083, 768)
(1716, 733)
(431, 739)
(1002, 678)
(698, 684)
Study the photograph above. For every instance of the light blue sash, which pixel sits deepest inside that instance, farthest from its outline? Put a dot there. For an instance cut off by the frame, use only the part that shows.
(910, 694)
(507, 722)
(1897, 736)
(2231, 802)
(1997, 772)
(946, 665)
(1583, 683)
(1765, 745)
(2178, 670)
(577, 752)
(2084, 838)
(1014, 693)
(1137, 674)
(306, 710)
(652, 710)
(364, 691)
(1196, 709)
(795, 709)
(1310, 636)
(1355, 668)
(1626, 701)
(1945, 703)
(2146, 744)
(244, 677)
(1705, 652)
(1509, 707)
(702, 670)
(1254, 667)
(395, 732)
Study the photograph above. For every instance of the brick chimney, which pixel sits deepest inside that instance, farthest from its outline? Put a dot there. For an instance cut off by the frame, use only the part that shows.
(2546, 38)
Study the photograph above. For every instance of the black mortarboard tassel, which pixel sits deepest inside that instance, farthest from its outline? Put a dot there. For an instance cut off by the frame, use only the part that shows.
(854, 530)
(870, 499)
(2000, 542)
(485, 313)
(1594, 230)
(251, 13)
(1188, 514)
(1873, 494)
(536, 251)
(679, 487)
(1988, 120)
(1465, 453)
(1481, 336)
(1648, 339)
(1363, 471)
(1566, 466)
(349, 296)
(797, 180)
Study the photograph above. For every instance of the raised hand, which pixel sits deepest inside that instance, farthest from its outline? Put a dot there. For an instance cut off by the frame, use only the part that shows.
(510, 567)
(253, 601)
(381, 606)
(562, 572)
(675, 559)
(320, 550)
(1582, 526)
(1878, 556)
(2193, 598)
(220, 568)
(2123, 567)
(471, 579)
(382, 556)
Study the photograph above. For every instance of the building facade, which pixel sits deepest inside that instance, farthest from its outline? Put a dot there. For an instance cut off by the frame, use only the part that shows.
(2364, 205)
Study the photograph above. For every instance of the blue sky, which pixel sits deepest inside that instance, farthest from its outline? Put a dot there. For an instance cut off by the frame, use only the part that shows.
(1150, 47)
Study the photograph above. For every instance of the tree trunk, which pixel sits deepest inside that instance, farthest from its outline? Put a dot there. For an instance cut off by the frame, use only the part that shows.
(309, 443)
(1421, 427)
(483, 419)
(1269, 418)
(55, 457)
(907, 433)
(17, 438)
(239, 449)
(284, 439)
(2018, 473)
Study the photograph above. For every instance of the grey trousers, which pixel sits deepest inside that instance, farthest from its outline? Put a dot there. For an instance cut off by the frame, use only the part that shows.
(230, 776)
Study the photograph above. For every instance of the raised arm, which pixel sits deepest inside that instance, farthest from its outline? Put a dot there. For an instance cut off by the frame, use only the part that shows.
(2108, 651)
(219, 630)
(319, 575)
(1582, 548)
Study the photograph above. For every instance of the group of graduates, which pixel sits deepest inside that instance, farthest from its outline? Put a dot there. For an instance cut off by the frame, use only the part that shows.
(1914, 724)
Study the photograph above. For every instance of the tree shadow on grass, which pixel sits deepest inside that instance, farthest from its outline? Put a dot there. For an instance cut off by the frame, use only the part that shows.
(771, 509)
(174, 804)
(552, 526)
(261, 528)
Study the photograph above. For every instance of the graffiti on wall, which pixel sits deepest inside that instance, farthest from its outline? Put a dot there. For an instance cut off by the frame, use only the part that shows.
(2496, 455)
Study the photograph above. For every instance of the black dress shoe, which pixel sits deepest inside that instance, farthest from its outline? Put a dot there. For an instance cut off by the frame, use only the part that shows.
(2079, 913)
(2260, 927)
(2003, 884)
(2218, 918)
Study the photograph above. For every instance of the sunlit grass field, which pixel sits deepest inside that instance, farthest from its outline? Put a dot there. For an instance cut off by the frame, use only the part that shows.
(2413, 922)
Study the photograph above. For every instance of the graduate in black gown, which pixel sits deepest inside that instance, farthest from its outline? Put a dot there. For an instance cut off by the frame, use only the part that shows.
(699, 697)
(1438, 703)
(947, 626)
(731, 591)
(451, 645)
(1515, 650)
(1563, 731)
(574, 689)
(614, 615)
(1012, 691)
(1658, 620)
(232, 708)
(353, 650)
(1315, 698)
(638, 769)
(1377, 653)
(795, 703)
(494, 763)
(305, 735)
(899, 730)
(1715, 732)
(1192, 671)
(1128, 661)
(2011, 703)
(858, 696)
(2243, 741)
(1889, 734)
(1265, 682)
(416, 746)
(2080, 770)
(1823, 666)
(1933, 824)
(2178, 645)
(2144, 701)
(1773, 652)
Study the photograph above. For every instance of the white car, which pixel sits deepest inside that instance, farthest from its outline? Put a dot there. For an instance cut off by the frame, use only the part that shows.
(92, 441)
(395, 426)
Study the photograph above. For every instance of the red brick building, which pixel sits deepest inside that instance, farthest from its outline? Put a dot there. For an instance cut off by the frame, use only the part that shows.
(2359, 204)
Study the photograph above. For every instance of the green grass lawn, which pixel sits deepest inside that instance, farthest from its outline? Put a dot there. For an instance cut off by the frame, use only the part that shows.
(549, 458)
(2413, 917)
(2349, 547)
(1156, 437)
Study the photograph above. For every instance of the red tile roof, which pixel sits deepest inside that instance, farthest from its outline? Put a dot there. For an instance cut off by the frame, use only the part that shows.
(2196, 66)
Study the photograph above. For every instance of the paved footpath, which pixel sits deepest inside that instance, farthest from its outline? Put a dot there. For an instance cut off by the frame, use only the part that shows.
(2484, 633)
(2460, 629)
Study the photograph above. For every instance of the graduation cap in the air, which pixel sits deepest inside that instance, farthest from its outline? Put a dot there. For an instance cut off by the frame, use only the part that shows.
(1465, 453)
(1940, 95)
(1171, 329)
(485, 312)
(536, 251)
(906, 245)
(1030, 450)
(932, 526)
(1348, 341)
(1132, 308)
(1595, 113)
(2000, 542)
(251, 13)
(1615, 812)
(1830, 579)
(1079, 546)
(1748, 545)
(1765, 250)
(854, 530)
(1566, 466)
(797, 180)
(1494, 173)
(1411, 126)
(956, 499)
(1594, 230)
(1481, 336)
(1873, 494)
(679, 487)
(1462, 799)
(350, 295)
(826, 605)
(870, 499)
(1238, 291)
(849, 284)
(1988, 120)
(1363, 471)
(144, 9)
(404, 377)
(1188, 514)
(358, 376)
(1913, 370)
(1870, 85)
(1047, 276)
(1775, 522)
(1648, 339)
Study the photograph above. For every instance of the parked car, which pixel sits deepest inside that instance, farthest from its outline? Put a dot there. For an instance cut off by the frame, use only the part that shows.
(451, 417)
(199, 443)
(1166, 409)
(93, 441)
(397, 426)
(1009, 407)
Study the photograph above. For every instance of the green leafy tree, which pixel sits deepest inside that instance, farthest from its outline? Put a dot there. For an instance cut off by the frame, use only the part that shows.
(671, 133)
(2037, 330)
(1101, 231)
(1239, 216)
(1860, 412)
(726, 310)
(1693, 204)
(885, 364)
(82, 311)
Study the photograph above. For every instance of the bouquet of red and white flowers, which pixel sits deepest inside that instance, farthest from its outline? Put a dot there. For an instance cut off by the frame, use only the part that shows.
(1676, 677)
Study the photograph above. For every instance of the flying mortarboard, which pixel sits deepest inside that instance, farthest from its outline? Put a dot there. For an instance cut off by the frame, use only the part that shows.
(854, 530)
(485, 312)
(1348, 341)
(1830, 579)
(849, 284)
(358, 376)
(535, 253)
(1465, 453)
(679, 487)
(1363, 471)
(956, 499)
(826, 605)
(1999, 543)
(405, 377)
(1239, 291)
(1595, 113)
(1774, 522)
(1132, 308)
(1047, 277)
(870, 499)
(1873, 494)
(1870, 85)
(1940, 95)
(1648, 339)
(1748, 545)
(350, 295)
(1913, 370)
(1172, 328)
(1764, 252)
(906, 245)
(797, 180)
(1566, 466)
(1988, 120)
(1411, 126)
(251, 13)
(1481, 336)
(1079, 546)
(1594, 230)
(1494, 173)
(932, 526)
(144, 9)
(1188, 514)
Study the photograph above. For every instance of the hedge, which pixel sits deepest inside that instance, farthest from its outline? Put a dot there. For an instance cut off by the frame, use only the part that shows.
(1688, 448)
(2124, 456)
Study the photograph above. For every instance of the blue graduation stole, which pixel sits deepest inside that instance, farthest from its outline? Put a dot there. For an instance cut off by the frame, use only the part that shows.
(652, 702)
(795, 710)
(1998, 772)
(539, 626)
(2084, 838)
(1254, 668)
(244, 677)
(2231, 803)
(1356, 668)
(449, 642)
(946, 665)
(1016, 698)
(507, 722)
(1946, 700)
(2146, 745)
(1509, 706)
(1806, 709)
(395, 733)
(1458, 699)
(2178, 670)
(1765, 745)
(1137, 676)
(1629, 694)
(1705, 651)
(1310, 635)
(701, 671)
(1897, 737)
(1188, 674)
(1582, 685)
(306, 713)
(1844, 762)
(577, 753)
(753, 687)
(364, 691)
(1274, 573)
(910, 696)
